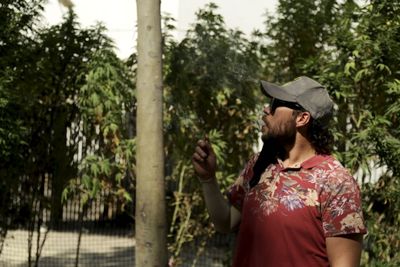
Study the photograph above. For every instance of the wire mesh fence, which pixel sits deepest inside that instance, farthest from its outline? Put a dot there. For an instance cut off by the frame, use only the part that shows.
(102, 235)
(61, 247)
(102, 247)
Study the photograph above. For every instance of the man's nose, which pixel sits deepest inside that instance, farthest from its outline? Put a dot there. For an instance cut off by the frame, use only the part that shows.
(267, 109)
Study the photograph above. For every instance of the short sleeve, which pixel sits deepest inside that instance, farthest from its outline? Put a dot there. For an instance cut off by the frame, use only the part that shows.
(237, 192)
(341, 205)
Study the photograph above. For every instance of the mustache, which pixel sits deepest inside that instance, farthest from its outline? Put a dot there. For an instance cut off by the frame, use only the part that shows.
(263, 120)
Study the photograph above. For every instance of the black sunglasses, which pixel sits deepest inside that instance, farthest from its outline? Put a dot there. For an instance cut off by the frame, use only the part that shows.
(275, 103)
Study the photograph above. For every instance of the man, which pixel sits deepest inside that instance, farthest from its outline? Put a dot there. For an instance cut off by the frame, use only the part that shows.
(293, 204)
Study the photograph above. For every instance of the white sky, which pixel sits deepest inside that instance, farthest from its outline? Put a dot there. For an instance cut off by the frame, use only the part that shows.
(119, 16)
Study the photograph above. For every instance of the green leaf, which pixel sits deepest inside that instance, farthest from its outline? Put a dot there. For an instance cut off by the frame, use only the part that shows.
(348, 67)
(86, 181)
(94, 169)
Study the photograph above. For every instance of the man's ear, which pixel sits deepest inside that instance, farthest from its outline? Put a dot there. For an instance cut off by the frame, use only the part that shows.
(303, 119)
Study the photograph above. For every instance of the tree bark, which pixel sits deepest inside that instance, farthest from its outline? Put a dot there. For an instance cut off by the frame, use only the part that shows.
(150, 190)
(60, 162)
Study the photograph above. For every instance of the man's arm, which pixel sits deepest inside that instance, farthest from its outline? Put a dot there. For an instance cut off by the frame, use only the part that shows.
(224, 216)
(345, 250)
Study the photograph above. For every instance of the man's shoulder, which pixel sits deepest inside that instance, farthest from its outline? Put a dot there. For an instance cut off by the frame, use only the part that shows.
(333, 172)
(329, 162)
(324, 162)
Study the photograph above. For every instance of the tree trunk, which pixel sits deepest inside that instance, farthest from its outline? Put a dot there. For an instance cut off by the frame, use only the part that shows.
(150, 190)
(59, 164)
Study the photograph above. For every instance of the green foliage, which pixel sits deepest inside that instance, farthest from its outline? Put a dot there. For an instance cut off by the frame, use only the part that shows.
(209, 85)
(105, 103)
(382, 201)
(64, 96)
(18, 19)
(210, 90)
(363, 76)
(64, 81)
(350, 49)
(296, 36)
(355, 52)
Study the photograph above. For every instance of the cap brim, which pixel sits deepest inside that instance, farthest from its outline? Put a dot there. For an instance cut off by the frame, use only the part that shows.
(276, 91)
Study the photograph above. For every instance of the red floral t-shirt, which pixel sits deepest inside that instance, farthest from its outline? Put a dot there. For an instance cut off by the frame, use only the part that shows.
(286, 217)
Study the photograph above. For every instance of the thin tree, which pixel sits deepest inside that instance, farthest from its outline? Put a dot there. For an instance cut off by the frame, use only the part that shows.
(150, 196)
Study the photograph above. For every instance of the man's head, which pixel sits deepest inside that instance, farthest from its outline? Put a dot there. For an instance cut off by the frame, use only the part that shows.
(302, 105)
(305, 92)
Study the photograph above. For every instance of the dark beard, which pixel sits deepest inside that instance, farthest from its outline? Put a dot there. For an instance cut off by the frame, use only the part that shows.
(284, 134)
(273, 143)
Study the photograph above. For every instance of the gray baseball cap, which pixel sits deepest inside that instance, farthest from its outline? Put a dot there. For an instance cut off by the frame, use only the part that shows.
(304, 91)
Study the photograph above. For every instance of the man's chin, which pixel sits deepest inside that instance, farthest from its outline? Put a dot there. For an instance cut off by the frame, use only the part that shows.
(266, 138)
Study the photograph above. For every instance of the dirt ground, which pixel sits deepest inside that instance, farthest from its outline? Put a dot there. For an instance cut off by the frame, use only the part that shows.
(97, 250)
(60, 250)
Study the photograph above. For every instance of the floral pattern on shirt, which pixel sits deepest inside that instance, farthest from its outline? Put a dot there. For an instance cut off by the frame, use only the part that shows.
(327, 186)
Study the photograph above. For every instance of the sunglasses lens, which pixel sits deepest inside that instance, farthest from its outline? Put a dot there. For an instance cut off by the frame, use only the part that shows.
(275, 103)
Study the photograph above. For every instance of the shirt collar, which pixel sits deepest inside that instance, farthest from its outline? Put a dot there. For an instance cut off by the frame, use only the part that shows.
(309, 163)
(314, 161)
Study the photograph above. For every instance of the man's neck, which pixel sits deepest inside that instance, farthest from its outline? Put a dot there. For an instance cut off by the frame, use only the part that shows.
(297, 153)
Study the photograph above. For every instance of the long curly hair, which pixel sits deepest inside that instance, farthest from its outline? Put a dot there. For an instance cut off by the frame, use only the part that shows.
(318, 133)
(320, 137)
